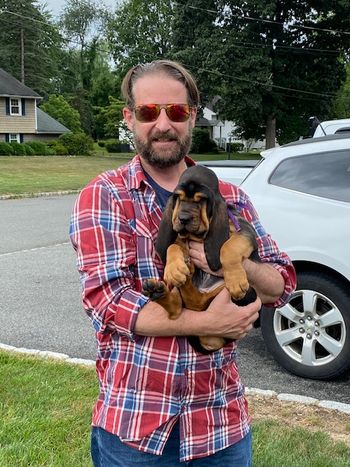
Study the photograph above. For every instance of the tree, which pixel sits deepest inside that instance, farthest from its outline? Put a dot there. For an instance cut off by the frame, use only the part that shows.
(273, 64)
(140, 32)
(194, 42)
(341, 106)
(108, 119)
(30, 43)
(58, 108)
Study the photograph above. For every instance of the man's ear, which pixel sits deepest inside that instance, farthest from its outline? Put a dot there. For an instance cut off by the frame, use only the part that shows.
(193, 116)
(128, 117)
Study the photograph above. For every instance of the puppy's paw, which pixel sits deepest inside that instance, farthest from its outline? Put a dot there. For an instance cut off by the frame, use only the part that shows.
(154, 289)
(176, 273)
(237, 284)
(211, 344)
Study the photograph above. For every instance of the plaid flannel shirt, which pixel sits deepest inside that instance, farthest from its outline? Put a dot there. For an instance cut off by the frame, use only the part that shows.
(148, 383)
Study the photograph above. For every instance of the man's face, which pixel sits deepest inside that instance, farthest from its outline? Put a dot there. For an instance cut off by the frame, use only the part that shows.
(161, 143)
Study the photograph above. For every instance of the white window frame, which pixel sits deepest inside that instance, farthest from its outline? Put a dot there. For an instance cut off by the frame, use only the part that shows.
(18, 105)
(14, 137)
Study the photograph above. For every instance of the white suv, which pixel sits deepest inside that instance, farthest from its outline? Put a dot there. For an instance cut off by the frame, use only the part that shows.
(302, 194)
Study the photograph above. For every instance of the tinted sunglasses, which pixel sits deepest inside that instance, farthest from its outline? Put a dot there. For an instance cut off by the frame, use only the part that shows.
(146, 113)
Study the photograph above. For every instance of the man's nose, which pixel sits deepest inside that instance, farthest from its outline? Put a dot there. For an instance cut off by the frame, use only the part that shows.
(163, 121)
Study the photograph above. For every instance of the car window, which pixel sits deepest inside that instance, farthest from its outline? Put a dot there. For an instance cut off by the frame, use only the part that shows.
(323, 174)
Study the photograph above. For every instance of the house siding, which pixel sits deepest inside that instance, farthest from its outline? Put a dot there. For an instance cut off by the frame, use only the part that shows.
(18, 124)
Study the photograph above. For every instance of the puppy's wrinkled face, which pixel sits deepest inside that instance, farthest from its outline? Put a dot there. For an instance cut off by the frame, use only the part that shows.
(190, 214)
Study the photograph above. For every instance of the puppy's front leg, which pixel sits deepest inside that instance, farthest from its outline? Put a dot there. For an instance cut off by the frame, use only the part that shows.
(177, 267)
(232, 253)
(158, 292)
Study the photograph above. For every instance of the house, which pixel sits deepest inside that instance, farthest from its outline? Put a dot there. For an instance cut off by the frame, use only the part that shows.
(224, 131)
(20, 118)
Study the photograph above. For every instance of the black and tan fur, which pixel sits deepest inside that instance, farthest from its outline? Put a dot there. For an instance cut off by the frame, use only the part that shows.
(197, 211)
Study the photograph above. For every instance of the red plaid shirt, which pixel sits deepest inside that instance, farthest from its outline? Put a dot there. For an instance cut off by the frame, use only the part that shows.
(148, 383)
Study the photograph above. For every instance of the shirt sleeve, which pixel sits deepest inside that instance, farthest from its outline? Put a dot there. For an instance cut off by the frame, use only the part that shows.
(106, 253)
(268, 249)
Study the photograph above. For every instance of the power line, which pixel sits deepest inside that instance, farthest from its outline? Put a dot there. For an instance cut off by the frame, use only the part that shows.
(259, 83)
(264, 20)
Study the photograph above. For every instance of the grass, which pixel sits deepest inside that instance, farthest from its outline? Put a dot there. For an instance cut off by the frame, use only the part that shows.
(45, 412)
(34, 174)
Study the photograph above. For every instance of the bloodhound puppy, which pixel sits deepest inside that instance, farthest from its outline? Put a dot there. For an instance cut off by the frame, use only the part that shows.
(197, 211)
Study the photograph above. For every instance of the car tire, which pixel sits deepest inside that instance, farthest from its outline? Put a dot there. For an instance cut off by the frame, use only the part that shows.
(310, 336)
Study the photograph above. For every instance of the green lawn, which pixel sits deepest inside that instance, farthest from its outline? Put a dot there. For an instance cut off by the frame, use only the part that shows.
(45, 413)
(34, 174)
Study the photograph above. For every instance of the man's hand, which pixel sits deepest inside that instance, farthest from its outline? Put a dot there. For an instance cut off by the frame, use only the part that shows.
(198, 258)
(229, 320)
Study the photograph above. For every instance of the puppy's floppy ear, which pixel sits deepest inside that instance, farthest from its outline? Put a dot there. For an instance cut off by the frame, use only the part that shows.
(219, 232)
(166, 233)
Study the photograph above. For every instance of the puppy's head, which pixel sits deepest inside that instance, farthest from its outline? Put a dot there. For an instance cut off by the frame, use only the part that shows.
(196, 210)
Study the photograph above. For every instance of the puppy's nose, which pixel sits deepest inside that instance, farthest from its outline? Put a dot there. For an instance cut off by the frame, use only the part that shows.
(184, 218)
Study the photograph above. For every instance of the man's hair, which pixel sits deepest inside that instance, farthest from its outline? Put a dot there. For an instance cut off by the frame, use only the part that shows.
(172, 69)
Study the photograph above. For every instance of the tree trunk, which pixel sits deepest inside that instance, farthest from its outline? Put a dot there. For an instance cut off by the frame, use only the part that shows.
(270, 132)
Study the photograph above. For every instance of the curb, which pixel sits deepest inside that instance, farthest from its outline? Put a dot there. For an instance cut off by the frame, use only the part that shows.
(327, 404)
(39, 195)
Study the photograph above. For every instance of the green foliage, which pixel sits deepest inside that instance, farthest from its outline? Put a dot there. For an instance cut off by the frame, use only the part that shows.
(140, 32)
(58, 107)
(58, 148)
(116, 146)
(27, 29)
(236, 147)
(107, 119)
(77, 143)
(18, 149)
(201, 142)
(28, 149)
(40, 149)
(341, 105)
(6, 149)
(258, 67)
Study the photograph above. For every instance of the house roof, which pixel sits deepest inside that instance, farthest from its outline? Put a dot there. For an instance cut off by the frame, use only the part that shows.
(10, 86)
(47, 124)
(202, 121)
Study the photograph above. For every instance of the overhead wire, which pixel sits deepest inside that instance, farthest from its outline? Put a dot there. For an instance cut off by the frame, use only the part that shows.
(255, 82)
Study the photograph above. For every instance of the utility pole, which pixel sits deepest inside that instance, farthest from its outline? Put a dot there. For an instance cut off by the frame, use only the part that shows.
(22, 56)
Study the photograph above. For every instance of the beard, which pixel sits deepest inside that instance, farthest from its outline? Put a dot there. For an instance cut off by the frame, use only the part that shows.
(163, 158)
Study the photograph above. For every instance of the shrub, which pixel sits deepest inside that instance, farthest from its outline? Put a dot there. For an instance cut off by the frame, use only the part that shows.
(77, 143)
(6, 149)
(58, 148)
(113, 146)
(40, 148)
(101, 144)
(235, 147)
(201, 141)
(28, 149)
(18, 149)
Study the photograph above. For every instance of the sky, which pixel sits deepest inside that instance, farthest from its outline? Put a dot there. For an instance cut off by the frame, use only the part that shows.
(56, 6)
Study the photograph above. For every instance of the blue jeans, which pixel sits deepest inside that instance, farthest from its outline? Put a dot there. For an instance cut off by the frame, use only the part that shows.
(108, 451)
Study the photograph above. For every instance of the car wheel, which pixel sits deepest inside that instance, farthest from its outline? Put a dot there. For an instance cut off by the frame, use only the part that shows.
(310, 336)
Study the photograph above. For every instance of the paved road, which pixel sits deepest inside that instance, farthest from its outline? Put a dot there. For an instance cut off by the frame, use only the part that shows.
(40, 302)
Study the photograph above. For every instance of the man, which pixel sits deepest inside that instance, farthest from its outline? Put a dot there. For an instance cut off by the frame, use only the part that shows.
(161, 402)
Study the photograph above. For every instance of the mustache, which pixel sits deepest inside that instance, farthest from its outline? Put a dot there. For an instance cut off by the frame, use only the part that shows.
(164, 136)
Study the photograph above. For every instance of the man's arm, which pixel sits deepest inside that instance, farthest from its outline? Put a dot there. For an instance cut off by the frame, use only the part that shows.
(265, 279)
(222, 319)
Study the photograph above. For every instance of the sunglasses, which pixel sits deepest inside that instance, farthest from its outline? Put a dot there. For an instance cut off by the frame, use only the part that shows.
(146, 113)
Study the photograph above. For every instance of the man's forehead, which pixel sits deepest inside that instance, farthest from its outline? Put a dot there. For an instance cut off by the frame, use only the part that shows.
(155, 87)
